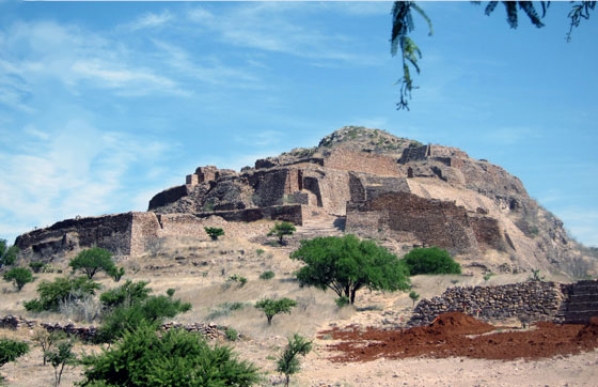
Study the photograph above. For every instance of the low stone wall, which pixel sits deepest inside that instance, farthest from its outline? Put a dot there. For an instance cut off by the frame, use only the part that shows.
(87, 333)
(529, 301)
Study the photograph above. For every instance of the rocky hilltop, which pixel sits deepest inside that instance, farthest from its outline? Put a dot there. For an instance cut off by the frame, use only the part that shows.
(395, 190)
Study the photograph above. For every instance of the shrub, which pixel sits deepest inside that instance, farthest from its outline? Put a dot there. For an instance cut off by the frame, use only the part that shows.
(174, 358)
(127, 294)
(231, 334)
(46, 340)
(10, 350)
(280, 230)
(431, 260)
(61, 290)
(19, 277)
(273, 307)
(414, 296)
(37, 266)
(60, 358)
(214, 232)
(342, 301)
(267, 275)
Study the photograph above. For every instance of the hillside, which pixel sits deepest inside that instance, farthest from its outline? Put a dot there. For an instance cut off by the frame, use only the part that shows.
(356, 180)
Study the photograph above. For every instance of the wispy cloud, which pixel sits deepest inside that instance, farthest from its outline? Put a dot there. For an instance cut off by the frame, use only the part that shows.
(150, 20)
(271, 27)
(74, 170)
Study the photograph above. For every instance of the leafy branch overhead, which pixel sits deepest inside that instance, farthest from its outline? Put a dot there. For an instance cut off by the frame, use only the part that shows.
(403, 25)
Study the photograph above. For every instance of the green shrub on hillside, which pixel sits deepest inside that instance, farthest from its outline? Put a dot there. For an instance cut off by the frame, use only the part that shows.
(431, 260)
(63, 289)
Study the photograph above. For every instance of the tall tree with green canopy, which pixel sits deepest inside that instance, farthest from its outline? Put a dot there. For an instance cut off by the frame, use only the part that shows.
(90, 261)
(347, 264)
(403, 25)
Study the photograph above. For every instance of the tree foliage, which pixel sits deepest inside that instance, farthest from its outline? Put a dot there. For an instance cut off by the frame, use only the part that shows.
(19, 276)
(288, 362)
(214, 232)
(47, 340)
(135, 308)
(431, 260)
(90, 261)
(62, 289)
(8, 255)
(10, 350)
(273, 307)
(60, 358)
(346, 265)
(281, 230)
(174, 358)
(403, 25)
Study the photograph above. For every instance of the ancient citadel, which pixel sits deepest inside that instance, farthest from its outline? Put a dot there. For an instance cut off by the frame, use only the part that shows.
(400, 192)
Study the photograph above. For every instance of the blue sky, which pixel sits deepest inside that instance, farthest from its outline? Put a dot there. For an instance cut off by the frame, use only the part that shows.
(103, 105)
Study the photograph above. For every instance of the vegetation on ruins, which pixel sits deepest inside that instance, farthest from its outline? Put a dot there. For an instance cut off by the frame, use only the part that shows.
(430, 260)
(272, 307)
(347, 264)
(214, 232)
(19, 276)
(288, 362)
(173, 358)
(92, 260)
(281, 230)
(61, 290)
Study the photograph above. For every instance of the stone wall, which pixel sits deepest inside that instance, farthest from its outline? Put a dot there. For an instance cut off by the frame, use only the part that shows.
(87, 333)
(346, 160)
(433, 222)
(169, 196)
(529, 301)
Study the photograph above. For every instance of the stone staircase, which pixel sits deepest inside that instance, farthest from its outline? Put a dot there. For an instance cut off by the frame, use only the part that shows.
(321, 226)
(582, 303)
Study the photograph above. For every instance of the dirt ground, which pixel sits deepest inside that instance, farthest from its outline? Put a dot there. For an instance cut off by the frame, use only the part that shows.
(458, 350)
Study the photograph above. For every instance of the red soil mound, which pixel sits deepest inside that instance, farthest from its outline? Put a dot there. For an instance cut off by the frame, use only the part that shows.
(453, 334)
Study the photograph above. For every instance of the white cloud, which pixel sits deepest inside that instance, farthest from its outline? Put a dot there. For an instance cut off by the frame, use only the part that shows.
(150, 20)
(73, 170)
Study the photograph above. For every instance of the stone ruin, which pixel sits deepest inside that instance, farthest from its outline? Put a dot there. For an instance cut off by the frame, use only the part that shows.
(405, 193)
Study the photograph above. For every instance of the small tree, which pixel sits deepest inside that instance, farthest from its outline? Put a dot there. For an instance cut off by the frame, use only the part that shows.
(273, 307)
(280, 230)
(346, 265)
(46, 340)
(92, 260)
(214, 232)
(19, 277)
(431, 260)
(414, 296)
(10, 350)
(288, 363)
(60, 358)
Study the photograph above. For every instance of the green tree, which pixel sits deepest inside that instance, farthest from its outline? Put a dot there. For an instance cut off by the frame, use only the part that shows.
(10, 350)
(273, 307)
(8, 255)
(62, 289)
(90, 261)
(60, 358)
(431, 260)
(346, 265)
(403, 25)
(214, 232)
(288, 363)
(125, 295)
(174, 358)
(280, 230)
(414, 296)
(19, 277)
